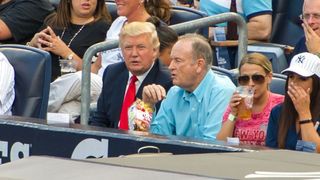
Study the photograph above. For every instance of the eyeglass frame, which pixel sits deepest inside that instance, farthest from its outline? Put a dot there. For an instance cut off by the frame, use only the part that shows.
(251, 77)
(316, 16)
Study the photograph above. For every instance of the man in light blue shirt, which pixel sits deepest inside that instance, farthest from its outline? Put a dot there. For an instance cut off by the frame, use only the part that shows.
(195, 105)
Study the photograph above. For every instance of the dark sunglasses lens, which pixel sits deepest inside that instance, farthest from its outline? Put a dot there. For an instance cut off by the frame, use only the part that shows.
(258, 79)
(243, 80)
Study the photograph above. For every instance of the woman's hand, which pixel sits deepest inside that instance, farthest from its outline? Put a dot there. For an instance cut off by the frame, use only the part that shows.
(300, 99)
(55, 44)
(234, 102)
(40, 39)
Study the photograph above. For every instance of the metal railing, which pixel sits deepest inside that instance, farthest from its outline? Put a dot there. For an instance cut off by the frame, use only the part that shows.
(179, 28)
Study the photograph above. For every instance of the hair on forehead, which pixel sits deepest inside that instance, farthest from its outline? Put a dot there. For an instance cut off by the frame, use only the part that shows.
(139, 28)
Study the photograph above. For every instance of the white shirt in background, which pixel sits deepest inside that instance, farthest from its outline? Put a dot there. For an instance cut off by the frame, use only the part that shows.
(7, 93)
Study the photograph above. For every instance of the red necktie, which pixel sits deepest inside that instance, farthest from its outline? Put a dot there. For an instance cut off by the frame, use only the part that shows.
(127, 102)
(232, 26)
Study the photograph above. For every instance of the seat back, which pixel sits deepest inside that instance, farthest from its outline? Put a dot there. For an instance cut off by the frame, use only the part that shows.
(286, 26)
(180, 14)
(32, 79)
(229, 73)
(278, 83)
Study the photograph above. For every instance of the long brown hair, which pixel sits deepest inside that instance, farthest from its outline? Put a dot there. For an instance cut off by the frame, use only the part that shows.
(289, 114)
(159, 8)
(62, 18)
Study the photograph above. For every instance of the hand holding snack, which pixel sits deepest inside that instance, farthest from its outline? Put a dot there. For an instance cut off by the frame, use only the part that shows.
(140, 115)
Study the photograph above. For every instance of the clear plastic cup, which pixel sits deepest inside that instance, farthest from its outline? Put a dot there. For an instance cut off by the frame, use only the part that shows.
(245, 106)
(67, 66)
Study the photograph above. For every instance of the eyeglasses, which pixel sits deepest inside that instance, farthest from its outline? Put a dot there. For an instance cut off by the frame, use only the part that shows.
(308, 16)
(256, 78)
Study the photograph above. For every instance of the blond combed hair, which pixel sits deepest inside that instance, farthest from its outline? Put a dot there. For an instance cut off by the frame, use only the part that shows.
(139, 28)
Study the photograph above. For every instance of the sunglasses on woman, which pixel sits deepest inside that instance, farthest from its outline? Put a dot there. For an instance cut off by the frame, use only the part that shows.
(256, 78)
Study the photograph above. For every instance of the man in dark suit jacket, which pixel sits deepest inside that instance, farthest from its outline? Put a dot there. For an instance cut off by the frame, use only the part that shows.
(140, 46)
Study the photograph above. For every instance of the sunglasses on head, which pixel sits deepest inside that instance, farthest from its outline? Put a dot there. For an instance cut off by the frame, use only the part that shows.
(256, 78)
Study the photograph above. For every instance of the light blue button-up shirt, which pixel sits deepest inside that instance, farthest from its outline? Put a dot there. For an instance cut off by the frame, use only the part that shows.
(197, 114)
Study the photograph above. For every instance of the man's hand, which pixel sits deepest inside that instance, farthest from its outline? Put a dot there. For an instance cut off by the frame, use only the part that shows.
(312, 39)
(153, 93)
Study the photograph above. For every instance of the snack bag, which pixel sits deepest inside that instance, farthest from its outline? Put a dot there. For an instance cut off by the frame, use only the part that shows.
(140, 115)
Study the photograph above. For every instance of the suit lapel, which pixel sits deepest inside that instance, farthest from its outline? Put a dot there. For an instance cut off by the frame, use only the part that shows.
(121, 86)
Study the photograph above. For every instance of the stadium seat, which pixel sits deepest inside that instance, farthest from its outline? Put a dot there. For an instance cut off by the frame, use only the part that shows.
(32, 79)
(278, 83)
(229, 73)
(286, 25)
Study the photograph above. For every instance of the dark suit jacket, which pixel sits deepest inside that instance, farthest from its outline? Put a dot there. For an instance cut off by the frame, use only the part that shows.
(115, 79)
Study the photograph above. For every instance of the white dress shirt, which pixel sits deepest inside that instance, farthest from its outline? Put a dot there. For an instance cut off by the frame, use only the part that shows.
(7, 93)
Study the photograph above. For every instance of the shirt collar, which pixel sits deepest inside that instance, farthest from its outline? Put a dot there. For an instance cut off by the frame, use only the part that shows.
(142, 76)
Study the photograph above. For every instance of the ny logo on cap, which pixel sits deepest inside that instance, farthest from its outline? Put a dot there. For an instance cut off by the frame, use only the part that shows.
(300, 59)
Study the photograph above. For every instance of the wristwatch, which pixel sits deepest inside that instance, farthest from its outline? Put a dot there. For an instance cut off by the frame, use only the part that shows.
(232, 117)
(70, 56)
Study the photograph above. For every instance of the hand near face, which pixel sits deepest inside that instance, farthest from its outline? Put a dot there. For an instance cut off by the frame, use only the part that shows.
(300, 99)
(234, 102)
(153, 93)
(312, 39)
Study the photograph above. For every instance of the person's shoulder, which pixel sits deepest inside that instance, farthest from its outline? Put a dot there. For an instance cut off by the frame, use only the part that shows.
(276, 98)
(277, 109)
(175, 92)
(114, 69)
(223, 82)
(119, 21)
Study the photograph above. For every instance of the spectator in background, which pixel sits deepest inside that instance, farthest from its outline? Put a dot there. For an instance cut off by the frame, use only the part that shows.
(167, 38)
(130, 11)
(7, 93)
(311, 26)
(21, 19)
(70, 31)
(257, 13)
(194, 106)
(299, 116)
(140, 47)
(256, 72)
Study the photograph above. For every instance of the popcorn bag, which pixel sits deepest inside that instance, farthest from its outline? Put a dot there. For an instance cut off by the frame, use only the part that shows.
(140, 115)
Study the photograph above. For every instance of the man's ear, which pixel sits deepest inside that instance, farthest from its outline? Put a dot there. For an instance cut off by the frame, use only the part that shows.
(201, 63)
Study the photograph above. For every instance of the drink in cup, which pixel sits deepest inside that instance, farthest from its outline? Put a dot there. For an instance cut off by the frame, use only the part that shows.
(67, 66)
(245, 106)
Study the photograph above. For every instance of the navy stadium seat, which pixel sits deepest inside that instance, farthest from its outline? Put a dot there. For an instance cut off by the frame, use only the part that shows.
(229, 73)
(32, 68)
(278, 83)
(286, 25)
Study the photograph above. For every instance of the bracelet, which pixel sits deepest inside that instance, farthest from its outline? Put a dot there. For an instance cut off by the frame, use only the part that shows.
(305, 121)
(232, 117)
(28, 44)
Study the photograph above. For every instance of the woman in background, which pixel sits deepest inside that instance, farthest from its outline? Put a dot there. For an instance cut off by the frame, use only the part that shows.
(129, 11)
(256, 72)
(299, 115)
(69, 32)
(167, 37)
